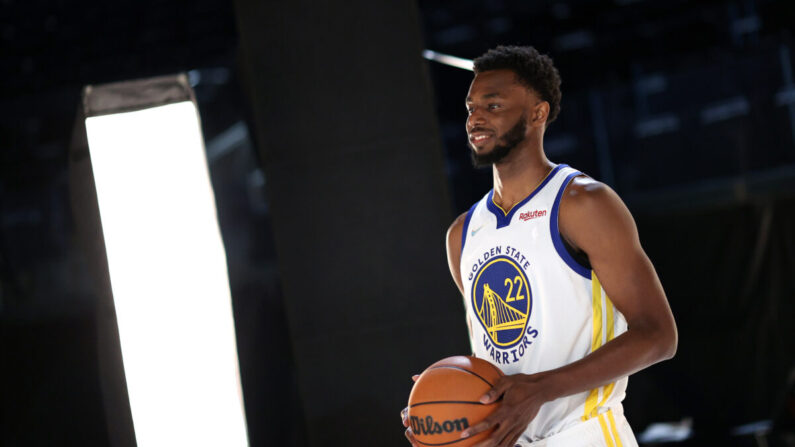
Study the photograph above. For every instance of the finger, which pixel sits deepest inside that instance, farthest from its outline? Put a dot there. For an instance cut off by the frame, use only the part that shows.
(485, 424)
(501, 435)
(404, 416)
(415, 377)
(502, 427)
(515, 438)
(496, 392)
(488, 442)
(410, 436)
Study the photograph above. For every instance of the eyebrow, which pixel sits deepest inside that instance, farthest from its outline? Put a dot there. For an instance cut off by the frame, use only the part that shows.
(486, 96)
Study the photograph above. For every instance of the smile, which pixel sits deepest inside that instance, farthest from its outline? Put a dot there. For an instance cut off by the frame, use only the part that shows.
(479, 138)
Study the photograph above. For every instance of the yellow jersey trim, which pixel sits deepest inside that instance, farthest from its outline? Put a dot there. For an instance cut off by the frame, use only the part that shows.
(596, 340)
(605, 432)
(613, 428)
(602, 309)
(608, 390)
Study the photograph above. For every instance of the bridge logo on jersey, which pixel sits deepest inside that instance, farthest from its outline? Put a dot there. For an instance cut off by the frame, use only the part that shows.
(502, 299)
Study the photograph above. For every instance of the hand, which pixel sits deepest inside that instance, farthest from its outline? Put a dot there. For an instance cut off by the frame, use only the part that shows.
(404, 414)
(522, 395)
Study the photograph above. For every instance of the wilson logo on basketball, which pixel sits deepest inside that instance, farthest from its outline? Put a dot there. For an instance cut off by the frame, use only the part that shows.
(427, 426)
(532, 214)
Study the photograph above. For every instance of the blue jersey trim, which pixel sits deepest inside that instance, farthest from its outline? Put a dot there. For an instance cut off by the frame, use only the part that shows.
(466, 226)
(503, 218)
(554, 230)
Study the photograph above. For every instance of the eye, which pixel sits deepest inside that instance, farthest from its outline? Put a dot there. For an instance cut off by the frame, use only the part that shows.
(494, 106)
(470, 110)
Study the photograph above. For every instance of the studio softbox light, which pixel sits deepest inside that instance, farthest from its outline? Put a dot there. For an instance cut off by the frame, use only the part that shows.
(144, 204)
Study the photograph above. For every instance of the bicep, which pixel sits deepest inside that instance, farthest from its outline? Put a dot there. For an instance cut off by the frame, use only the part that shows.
(598, 222)
(629, 279)
(454, 250)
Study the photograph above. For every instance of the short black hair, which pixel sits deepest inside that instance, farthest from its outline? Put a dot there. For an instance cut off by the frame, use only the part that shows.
(534, 70)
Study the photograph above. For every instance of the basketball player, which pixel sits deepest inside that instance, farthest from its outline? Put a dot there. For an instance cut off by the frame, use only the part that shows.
(559, 293)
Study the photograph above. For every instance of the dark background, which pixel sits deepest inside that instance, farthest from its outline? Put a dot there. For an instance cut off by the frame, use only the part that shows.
(687, 110)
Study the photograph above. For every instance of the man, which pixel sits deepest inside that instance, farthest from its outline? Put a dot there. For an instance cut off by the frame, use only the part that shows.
(536, 260)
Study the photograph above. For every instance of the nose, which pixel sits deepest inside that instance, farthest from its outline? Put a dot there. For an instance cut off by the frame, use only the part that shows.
(475, 119)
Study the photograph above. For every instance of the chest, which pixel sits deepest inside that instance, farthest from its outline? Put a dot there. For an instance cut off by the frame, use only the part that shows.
(524, 240)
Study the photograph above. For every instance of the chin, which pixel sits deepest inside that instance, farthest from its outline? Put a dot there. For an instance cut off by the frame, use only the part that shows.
(481, 150)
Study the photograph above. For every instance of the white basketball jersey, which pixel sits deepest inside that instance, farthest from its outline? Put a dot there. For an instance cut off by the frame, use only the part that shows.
(531, 306)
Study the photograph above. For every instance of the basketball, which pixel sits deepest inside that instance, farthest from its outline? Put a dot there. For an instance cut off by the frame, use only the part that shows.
(445, 401)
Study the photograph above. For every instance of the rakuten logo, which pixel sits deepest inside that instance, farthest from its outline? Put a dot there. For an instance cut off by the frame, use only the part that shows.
(532, 214)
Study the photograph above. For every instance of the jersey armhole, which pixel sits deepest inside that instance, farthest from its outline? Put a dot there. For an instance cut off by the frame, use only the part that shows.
(466, 226)
(557, 239)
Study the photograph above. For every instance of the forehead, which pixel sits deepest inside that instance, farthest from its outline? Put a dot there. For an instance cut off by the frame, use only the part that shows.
(501, 82)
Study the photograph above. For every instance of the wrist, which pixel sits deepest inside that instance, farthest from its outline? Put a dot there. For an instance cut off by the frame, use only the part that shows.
(550, 384)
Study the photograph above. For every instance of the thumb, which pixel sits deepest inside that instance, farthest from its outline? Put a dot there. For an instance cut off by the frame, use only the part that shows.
(415, 377)
(496, 392)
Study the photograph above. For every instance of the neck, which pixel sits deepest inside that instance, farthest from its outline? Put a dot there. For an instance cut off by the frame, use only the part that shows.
(520, 173)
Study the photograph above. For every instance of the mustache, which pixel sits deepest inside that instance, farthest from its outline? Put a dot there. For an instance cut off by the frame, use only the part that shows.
(479, 129)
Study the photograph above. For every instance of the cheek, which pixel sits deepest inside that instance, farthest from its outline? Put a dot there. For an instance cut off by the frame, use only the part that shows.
(502, 125)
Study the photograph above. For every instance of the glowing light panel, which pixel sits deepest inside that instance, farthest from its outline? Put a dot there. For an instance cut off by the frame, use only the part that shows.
(168, 275)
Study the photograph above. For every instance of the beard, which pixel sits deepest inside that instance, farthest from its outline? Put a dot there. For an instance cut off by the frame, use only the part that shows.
(504, 145)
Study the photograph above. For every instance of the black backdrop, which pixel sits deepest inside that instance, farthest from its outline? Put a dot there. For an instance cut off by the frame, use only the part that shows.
(728, 273)
(344, 121)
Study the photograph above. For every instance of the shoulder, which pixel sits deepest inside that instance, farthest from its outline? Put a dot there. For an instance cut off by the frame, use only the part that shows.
(589, 209)
(583, 191)
(454, 248)
(584, 197)
(455, 230)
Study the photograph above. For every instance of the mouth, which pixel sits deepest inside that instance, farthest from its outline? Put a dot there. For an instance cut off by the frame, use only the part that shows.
(480, 138)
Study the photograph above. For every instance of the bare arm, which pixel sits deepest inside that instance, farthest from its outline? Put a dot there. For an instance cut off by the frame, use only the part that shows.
(454, 256)
(454, 250)
(594, 219)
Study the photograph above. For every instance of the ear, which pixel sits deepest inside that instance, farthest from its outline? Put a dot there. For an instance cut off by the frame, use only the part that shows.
(539, 114)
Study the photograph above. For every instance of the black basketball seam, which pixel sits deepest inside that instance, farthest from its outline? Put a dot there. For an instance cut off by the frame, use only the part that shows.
(447, 402)
(442, 443)
(466, 370)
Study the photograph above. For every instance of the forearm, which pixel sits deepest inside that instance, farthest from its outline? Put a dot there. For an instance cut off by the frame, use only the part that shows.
(523, 395)
(628, 353)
